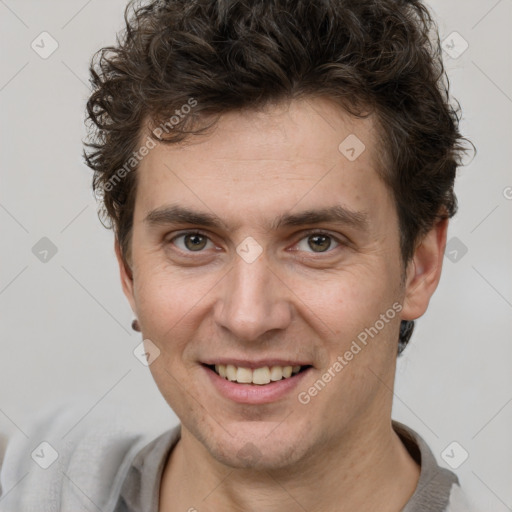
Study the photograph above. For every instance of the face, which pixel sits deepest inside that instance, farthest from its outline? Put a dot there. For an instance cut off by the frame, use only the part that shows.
(263, 245)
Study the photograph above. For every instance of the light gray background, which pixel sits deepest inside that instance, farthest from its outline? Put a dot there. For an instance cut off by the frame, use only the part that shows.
(66, 324)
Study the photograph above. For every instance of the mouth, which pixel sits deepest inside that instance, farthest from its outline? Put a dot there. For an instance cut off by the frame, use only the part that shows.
(260, 376)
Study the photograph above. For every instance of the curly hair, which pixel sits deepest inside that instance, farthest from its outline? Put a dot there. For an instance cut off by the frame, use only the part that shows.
(369, 56)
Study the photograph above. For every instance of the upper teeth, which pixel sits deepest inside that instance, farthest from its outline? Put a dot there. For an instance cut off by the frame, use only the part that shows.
(257, 376)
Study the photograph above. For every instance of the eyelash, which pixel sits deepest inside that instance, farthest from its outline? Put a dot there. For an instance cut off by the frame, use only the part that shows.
(306, 235)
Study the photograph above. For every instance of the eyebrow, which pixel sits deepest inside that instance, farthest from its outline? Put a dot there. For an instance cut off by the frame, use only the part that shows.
(176, 214)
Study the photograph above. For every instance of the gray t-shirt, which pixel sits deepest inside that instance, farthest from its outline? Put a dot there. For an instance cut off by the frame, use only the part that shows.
(140, 492)
(102, 465)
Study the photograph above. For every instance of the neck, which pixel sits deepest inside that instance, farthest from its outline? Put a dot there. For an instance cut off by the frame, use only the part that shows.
(373, 471)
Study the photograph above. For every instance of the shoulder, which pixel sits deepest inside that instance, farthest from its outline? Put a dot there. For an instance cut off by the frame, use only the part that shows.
(458, 501)
(438, 489)
(67, 461)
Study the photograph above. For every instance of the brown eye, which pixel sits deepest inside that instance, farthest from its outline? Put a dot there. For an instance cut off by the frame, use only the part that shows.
(318, 242)
(191, 242)
(195, 242)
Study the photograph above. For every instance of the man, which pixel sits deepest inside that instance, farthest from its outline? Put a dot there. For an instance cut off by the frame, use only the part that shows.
(279, 176)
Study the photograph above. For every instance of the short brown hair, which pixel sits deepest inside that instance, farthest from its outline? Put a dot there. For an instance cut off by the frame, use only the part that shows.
(370, 56)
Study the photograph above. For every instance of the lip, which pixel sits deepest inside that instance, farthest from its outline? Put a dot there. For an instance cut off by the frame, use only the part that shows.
(256, 364)
(255, 394)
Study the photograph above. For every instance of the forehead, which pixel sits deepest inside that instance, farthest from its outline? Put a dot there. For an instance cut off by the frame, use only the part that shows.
(302, 130)
(309, 152)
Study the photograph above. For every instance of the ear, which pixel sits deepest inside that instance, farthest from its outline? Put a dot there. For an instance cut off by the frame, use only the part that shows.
(424, 271)
(126, 276)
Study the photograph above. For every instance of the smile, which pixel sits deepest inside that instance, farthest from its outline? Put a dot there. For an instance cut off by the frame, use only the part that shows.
(259, 376)
(258, 385)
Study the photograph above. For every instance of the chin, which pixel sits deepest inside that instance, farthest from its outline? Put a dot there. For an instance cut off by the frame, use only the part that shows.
(257, 447)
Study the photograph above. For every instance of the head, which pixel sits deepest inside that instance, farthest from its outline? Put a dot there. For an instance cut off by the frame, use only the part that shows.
(237, 120)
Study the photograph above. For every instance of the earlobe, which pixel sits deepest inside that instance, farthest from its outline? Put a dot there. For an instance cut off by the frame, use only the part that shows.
(126, 276)
(424, 271)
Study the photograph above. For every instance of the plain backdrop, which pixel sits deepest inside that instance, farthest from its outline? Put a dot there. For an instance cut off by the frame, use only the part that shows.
(66, 324)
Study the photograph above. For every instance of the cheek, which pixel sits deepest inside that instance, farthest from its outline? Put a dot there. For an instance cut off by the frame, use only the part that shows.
(165, 293)
(346, 302)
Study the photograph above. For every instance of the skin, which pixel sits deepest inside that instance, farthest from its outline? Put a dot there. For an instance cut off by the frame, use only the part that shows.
(339, 451)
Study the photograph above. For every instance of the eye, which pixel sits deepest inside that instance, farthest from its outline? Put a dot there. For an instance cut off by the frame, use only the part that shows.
(192, 241)
(318, 242)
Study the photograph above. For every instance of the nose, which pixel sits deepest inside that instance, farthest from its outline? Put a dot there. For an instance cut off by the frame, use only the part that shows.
(252, 300)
